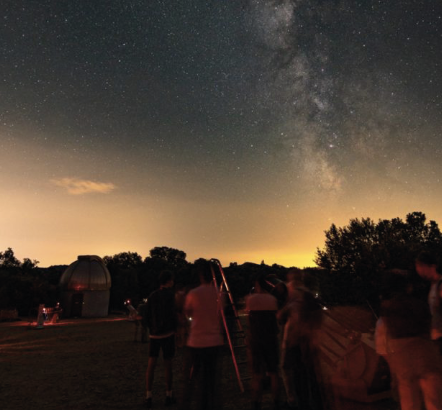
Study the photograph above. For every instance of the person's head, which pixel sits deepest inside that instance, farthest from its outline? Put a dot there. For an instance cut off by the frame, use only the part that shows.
(426, 266)
(396, 282)
(204, 271)
(166, 279)
(295, 276)
(259, 283)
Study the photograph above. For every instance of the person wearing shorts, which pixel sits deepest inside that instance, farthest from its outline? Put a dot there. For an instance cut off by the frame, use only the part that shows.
(202, 365)
(162, 322)
(164, 344)
(263, 342)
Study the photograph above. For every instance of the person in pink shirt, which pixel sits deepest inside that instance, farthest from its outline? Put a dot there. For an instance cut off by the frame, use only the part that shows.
(202, 307)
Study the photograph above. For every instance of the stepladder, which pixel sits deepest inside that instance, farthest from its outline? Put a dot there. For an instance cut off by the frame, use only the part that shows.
(234, 330)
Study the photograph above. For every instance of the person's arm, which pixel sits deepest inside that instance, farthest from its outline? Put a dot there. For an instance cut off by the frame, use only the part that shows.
(173, 312)
(247, 307)
(188, 309)
(282, 315)
(148, 319)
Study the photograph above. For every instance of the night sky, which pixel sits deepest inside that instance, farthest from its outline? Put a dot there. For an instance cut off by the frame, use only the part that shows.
(235, 129)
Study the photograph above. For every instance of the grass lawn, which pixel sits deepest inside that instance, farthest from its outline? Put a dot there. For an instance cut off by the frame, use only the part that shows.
(95, 364)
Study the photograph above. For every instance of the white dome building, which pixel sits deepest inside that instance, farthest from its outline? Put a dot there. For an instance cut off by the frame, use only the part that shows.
(85, 288)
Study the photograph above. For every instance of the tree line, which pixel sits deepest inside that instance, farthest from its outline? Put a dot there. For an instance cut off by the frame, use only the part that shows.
(350, 268)
(357, 258)
(24, 285)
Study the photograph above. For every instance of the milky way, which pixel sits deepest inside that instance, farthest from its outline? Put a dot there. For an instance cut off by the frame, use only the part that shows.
(234, 129)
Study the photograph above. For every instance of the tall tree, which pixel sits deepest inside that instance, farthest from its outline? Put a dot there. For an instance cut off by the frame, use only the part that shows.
(389, 243)
(123, 260)
(357, 254)
(123, 268)
(8, 259)
(171, 255)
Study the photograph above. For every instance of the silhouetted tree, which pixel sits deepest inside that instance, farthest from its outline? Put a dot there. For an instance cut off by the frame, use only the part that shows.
(357, 254)
(28, 264)
(21, 284)
(8, 259)
(123, 260)
(124, 268)
(173, 256)
(8, 262)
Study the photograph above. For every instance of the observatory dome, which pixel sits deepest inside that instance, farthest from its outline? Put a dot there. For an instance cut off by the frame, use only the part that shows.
(85, 288)
(88, 272)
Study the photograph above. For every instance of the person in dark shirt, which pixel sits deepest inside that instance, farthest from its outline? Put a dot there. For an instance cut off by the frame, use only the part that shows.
(142, 312)
(263, 342)
(412, 356)
(162, 323)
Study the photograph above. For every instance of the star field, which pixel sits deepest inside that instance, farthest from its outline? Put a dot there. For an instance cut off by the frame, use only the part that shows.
(239, 130)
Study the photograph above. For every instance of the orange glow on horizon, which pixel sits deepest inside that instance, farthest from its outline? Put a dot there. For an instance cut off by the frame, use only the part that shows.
(45, 222)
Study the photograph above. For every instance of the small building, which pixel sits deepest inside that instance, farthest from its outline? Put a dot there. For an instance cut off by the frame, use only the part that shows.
(85, 288)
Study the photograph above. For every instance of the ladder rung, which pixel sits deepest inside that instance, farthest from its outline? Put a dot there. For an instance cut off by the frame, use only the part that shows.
(232, 330)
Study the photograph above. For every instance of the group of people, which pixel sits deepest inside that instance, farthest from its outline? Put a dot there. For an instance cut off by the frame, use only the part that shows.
(166, 312)
(299, 315)
(409, 336)
(164, 317)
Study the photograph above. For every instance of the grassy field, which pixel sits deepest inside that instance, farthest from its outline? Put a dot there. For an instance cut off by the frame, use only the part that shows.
(95, 364)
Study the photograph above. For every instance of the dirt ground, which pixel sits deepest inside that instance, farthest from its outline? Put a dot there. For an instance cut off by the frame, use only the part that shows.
(95, 364)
